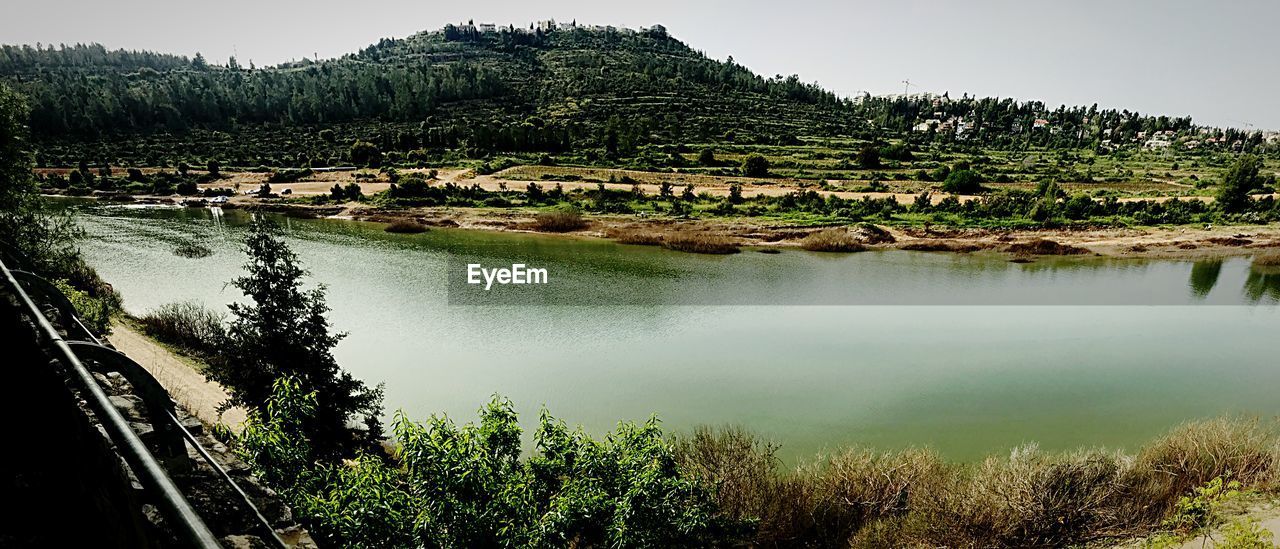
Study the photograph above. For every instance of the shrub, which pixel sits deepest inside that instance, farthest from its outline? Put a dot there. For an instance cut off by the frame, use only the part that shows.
(635, 236)
(95, 312)
(755, 165)
(187, 325)
(559, 222)
(962, 182)
(406, 226)
(700, 243)
(469, 486)
(831, 240)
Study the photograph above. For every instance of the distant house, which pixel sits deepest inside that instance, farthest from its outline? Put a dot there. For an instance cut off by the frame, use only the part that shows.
(488, 28)
(547, 26)
(927, 125)
(1039, 123)
(1157, 143)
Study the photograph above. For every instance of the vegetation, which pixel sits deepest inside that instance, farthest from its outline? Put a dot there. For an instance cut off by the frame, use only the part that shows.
(699, 243)
(832, 240)
(559, 222)
(406, 227)
(187, 325)
(35, 238)
(468, 486)
(284, 332)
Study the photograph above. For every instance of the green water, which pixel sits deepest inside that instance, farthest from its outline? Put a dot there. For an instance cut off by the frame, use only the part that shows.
(626, 331)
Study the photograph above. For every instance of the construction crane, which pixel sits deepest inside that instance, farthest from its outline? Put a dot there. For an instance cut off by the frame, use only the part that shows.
(906, 90)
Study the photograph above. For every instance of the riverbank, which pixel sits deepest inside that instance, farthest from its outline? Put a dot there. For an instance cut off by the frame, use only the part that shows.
(1183, 242)
(179, 376)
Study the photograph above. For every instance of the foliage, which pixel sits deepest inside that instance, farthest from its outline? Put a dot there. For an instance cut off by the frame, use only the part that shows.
(467, 486)
(1237, 182)
(755, 165)
(95, 312)
(187, 325)
(284, 332)
(962, 182)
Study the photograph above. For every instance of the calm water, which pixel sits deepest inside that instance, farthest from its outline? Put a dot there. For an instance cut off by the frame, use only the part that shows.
(746, 340)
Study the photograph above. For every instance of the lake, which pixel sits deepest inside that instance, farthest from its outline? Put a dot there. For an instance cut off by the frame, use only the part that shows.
(815, 351)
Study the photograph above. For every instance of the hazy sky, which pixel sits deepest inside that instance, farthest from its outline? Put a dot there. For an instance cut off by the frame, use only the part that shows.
(1216, 61)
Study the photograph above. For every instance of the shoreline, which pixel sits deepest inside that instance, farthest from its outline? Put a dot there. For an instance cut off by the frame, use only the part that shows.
(1184, 242)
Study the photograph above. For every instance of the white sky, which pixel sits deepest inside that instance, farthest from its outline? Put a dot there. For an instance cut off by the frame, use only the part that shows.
(1215, 61)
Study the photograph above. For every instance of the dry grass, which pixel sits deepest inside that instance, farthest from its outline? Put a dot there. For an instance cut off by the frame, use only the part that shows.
(559, 222)
(1027, 498)
(832, 240)
(639, 237)
(406, 227)
(700, 243)
(1267, 260)
(1045, 247)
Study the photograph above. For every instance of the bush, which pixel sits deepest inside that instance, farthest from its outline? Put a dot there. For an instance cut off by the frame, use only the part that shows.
(831, 240)
(187, 325)
(406, 227)
(755, 165)
(635, 236)
(700, 243)
(469, 486)
(559, 222)
(962, 182)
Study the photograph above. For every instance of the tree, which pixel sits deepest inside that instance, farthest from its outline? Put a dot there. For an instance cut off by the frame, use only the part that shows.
(364, 153)
(735, 194)
(284, 332)
(755, 165)
(962, 182)
(1241, 178)
(869, 158)
(214, 168)
(707, 157)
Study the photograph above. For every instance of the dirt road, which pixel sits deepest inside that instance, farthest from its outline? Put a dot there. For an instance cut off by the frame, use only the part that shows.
(188, 386)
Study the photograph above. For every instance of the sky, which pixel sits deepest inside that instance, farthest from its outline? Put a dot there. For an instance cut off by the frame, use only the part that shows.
(1215, 61)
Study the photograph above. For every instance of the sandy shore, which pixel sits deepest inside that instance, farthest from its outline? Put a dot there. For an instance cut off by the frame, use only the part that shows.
(188, 386)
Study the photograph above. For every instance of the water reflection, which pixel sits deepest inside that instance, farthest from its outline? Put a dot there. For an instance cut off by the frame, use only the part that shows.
(1263, 283)
(1204, 276)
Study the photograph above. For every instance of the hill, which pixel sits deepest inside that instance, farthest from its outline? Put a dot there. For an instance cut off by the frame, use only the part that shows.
(603, 93)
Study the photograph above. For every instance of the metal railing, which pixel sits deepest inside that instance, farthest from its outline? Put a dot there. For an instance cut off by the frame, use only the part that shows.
(187, 524)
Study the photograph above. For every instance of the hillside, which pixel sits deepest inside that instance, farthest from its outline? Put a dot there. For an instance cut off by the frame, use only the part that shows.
(603, 94)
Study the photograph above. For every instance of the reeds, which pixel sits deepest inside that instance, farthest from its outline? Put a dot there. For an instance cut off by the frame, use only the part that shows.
(832, 240)
(1028, 498)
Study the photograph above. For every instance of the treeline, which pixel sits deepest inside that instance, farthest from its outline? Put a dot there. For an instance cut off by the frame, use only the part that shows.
(18, 60)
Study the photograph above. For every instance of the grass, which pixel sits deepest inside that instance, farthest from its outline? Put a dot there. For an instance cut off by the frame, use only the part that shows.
(559, 222)
(638, 237)
(1028, 498)
(700, 243)
(187, 325)
(406, 227)
(832, 240)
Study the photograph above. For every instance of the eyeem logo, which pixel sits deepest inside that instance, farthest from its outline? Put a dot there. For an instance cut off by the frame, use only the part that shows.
(519, 273)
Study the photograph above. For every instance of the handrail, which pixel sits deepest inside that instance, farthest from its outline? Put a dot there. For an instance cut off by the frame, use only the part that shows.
(157, 399)
(187, 524)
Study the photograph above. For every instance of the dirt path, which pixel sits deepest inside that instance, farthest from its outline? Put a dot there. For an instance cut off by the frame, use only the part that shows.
(188, 387)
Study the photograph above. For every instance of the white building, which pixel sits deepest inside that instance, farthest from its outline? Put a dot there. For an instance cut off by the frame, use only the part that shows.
(488, 28)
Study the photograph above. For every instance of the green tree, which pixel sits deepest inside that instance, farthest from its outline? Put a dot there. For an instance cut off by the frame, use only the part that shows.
(284, 332)
(707, 157)
(755, 165)
(869, 158)
(1239, 180)
(364, 153)
(962, 182)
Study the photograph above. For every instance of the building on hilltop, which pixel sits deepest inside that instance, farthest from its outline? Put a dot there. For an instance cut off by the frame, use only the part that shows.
(488, 28)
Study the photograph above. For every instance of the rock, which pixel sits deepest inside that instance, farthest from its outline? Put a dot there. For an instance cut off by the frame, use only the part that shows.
(129, 406)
